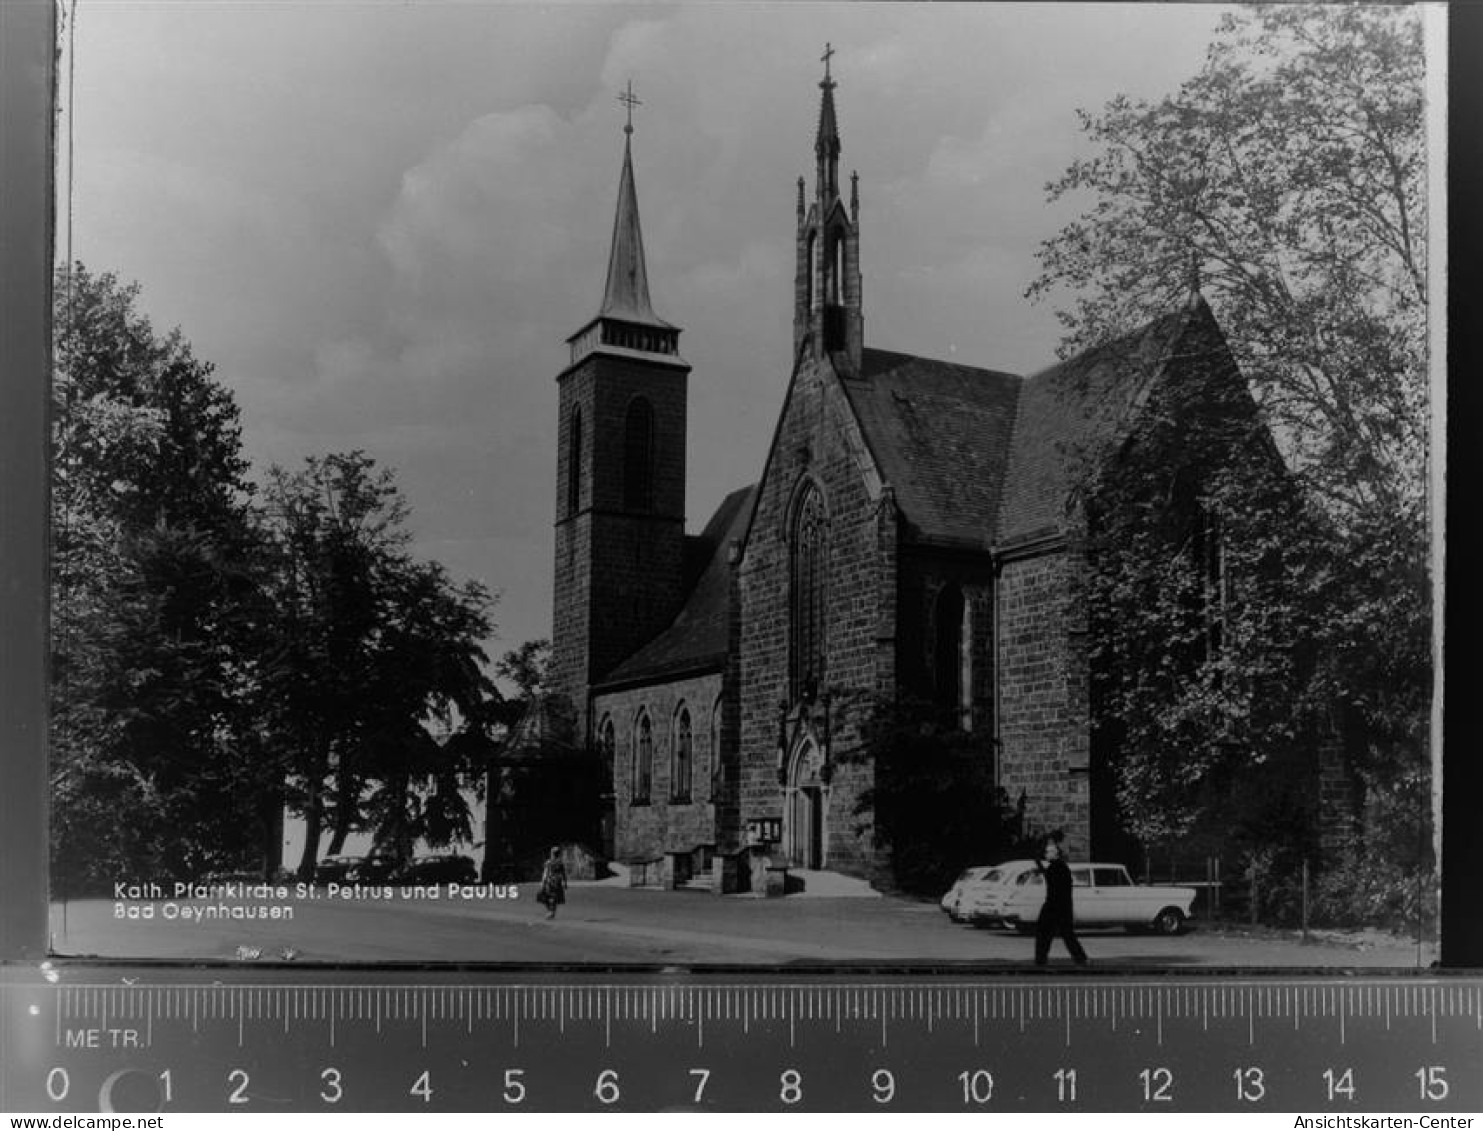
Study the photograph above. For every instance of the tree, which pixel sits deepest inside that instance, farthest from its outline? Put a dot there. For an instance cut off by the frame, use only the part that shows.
(154, 601)
(527, 668)
(375, 681)
(1290, 172)
(1286, 178)
(933, 803)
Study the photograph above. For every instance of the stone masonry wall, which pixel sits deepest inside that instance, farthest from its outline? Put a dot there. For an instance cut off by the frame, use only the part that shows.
(647, 831)
(1044, 696)
(618, 573)
(815, 439)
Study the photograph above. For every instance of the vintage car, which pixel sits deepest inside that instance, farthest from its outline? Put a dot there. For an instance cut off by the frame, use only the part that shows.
(982, 891)
(439, 868)
(370, 869)
(951, 902)
(1103, 895)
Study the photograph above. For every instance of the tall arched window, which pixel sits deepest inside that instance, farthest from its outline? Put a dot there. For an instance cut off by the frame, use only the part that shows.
(606, 746)
(952, 655)
(574, 465)
(1208, 546)
(681, 758)
(638, 456)
(813, 269)
(717, 773)
(807, 584)
(643, 760)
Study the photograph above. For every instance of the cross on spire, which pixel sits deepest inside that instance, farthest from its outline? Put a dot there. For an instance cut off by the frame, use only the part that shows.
(629, 100)
(828, 54)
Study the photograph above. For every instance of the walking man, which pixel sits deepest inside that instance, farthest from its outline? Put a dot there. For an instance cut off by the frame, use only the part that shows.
(1056, 913)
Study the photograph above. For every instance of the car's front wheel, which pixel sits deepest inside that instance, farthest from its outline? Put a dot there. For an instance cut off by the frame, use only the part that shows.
(1169, 921)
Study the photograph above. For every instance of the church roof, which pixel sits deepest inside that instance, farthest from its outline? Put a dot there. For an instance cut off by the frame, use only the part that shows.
(698, 637)
(980, 458)
(940, 434)
(626, 296)
(1070, 410)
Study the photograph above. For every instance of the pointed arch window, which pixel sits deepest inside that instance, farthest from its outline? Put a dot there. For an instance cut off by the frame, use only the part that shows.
(682, 760)
(574, 465)
(813, 269)
(807, 591)
(638, 456)
(952, 655)
(643, 760)
(606, 745)
(717, 771)
(1210, 555)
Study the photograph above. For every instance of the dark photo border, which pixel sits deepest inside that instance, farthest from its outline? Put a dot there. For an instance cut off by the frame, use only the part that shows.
(28, 87)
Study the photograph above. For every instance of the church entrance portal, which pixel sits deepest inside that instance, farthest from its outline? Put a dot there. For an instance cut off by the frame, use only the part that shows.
(805, 807)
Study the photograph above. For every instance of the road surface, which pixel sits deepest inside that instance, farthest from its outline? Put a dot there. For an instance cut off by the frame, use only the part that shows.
(607, 925)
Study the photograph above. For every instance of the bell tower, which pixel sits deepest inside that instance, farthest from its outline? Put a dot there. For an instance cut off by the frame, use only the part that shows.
(827, 313)
(620, 478)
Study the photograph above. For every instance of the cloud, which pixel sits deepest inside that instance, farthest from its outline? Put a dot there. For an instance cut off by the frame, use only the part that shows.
(383, 221)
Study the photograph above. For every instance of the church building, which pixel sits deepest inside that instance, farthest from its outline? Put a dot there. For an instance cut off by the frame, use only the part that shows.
(910, 534)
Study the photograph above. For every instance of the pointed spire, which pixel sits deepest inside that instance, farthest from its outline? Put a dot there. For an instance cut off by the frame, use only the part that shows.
(627, 293)
(626, 319)
(828, 141)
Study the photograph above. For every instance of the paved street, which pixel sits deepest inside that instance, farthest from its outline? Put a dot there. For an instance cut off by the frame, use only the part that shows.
(603, 924)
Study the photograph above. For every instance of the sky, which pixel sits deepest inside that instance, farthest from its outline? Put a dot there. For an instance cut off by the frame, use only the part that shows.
(381, 221)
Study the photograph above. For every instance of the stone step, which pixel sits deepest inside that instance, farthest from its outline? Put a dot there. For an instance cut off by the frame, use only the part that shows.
(700, 881)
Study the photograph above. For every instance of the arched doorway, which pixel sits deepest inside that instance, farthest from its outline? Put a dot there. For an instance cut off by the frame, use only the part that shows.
(805, 806)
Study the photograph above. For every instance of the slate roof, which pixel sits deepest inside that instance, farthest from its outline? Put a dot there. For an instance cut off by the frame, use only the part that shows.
(978, 458)
(698, 635)
(1069, 410)
(940, 433)
(626, 295)
(981, 458)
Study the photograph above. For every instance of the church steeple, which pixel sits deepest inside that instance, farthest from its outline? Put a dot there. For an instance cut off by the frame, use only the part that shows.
(626, 319)
(826, 144)
(827, 312)
(620, 472)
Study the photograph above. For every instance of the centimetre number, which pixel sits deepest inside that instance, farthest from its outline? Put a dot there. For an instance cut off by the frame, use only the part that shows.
(976, 1085)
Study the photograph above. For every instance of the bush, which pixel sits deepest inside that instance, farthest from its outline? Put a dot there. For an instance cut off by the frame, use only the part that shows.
(934, 801)
(1367, 889)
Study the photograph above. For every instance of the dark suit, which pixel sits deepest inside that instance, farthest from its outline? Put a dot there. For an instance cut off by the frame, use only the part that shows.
(1056, 914)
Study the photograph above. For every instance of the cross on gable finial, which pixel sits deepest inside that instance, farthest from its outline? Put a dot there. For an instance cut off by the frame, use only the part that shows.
(828, 54)
(629, 100)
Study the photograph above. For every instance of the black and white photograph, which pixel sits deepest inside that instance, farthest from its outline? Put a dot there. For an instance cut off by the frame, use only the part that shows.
(747, 485)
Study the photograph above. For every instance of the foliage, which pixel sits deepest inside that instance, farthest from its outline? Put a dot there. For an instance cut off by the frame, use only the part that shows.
(212, 658)
(1287, 177)
(935, 805)
(154, 598)
(1290, 170)
(371, 648)
(1201, 606)
(527, 668)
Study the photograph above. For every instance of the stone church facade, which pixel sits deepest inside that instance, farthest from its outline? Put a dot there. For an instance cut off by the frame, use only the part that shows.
(908, 537)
